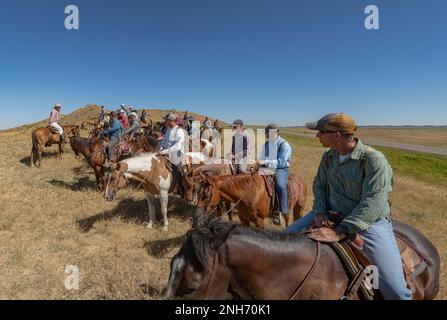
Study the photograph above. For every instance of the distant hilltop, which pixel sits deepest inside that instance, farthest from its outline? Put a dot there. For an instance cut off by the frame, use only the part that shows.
(91, 112)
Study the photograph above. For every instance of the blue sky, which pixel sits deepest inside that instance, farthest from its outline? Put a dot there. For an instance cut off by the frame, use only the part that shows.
(263, 61)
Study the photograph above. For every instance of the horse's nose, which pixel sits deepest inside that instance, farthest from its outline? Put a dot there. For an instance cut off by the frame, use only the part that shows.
(109, 196)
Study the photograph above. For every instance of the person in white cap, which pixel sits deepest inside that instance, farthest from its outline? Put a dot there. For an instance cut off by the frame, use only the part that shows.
(134, 125)
(172, 145)
(54, 120)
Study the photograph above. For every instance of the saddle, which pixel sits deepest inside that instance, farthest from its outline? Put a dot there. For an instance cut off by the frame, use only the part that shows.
(177, 186)
(356, 262)
(269, 182)
(53, 130)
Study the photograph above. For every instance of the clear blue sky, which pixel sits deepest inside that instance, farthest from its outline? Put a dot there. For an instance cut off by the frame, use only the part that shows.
(263, 61)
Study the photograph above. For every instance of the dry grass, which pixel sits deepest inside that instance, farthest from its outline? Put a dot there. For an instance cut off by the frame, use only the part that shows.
(51, 217)
(430, 136)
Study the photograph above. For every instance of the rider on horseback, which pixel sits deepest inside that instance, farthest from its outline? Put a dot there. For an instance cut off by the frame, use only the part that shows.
(240, 146)
(144, 116)
(114, 133)
(352, 185)
(276, 155)
(173, 146)
(54, 120)
(134, 126)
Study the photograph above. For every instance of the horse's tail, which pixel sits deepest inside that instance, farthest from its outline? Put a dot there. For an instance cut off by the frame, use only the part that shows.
(35, 148)
(301, 201)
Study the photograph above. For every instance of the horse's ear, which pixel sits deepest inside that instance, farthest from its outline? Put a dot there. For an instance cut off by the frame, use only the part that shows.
(200, 219)
(217, 240)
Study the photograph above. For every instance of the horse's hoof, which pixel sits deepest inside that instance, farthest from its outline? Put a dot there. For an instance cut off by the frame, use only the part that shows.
(165, 229)
(150, 225)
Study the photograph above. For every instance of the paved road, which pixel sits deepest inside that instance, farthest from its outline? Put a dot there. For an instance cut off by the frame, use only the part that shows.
(396, 145)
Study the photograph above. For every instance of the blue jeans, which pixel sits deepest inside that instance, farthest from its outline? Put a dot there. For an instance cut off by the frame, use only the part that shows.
(111, 148)
(281, 176)
(381, 249)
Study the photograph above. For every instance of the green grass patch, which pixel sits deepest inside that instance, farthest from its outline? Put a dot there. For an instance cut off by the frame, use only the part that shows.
(302, 141)
(421, 166)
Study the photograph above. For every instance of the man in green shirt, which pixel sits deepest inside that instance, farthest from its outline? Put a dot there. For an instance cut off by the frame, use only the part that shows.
(354, 181)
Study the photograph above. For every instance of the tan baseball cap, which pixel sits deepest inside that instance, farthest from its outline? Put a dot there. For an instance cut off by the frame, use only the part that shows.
(334, 122)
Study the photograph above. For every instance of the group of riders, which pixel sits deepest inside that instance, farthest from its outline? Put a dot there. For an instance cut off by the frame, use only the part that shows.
(351, 188)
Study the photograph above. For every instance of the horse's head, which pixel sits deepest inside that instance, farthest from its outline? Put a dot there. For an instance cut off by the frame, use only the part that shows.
(73, 144)
(116, 180)
(72, 130)
(208, 194)
(188, 183)
(196, 270)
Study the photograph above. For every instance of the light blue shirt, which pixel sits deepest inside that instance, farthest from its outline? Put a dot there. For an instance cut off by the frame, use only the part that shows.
(280, 156)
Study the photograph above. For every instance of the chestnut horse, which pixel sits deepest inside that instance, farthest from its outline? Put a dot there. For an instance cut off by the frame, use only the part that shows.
(252, 196)
(43, 137)
(94, 152)
(218, 259)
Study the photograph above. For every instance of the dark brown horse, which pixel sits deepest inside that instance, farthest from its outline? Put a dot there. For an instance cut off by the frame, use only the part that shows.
(253, 196)
(220, 259)
(94, 152)
(43, 137)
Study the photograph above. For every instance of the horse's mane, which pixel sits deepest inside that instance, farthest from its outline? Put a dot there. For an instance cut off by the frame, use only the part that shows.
(84, 143)
(239, 181)
(199, 240)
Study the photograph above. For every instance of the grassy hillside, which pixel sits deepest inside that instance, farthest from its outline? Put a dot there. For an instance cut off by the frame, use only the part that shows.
(91, 112)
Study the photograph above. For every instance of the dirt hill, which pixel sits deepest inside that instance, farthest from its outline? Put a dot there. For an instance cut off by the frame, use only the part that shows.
(91, 112)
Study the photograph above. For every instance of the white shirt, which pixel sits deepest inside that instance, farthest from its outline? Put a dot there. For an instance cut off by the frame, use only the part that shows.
(344, 158)
(173, 141)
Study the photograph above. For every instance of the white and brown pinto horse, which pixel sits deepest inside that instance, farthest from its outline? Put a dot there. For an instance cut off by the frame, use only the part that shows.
(154, 172)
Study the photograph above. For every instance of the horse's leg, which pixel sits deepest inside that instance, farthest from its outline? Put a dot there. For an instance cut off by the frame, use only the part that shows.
(150, 204)
(243, 214)
(39, 154)
(164, 196)
(60, 149)
(228, 207)
(259, 221)
(298, 209)
(98, 182)
(32, 157)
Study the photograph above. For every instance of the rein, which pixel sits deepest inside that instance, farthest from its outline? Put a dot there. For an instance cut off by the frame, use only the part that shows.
(308, 275)
(213, 272)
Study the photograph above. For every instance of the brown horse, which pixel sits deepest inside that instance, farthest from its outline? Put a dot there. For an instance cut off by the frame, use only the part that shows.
(43, 137)
(193, 176)
(220, 259)
(253, 196)
(94, 152)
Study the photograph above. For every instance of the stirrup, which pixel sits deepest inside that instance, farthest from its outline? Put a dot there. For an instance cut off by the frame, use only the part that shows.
(277, 218)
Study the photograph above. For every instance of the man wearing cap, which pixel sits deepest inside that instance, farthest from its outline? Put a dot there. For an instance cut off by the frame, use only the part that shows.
(276, 155)
(240, 146)
(207, 123)
(172, 145)
(173, 140)
(54, 120)
(134, 125)
(351, 188)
